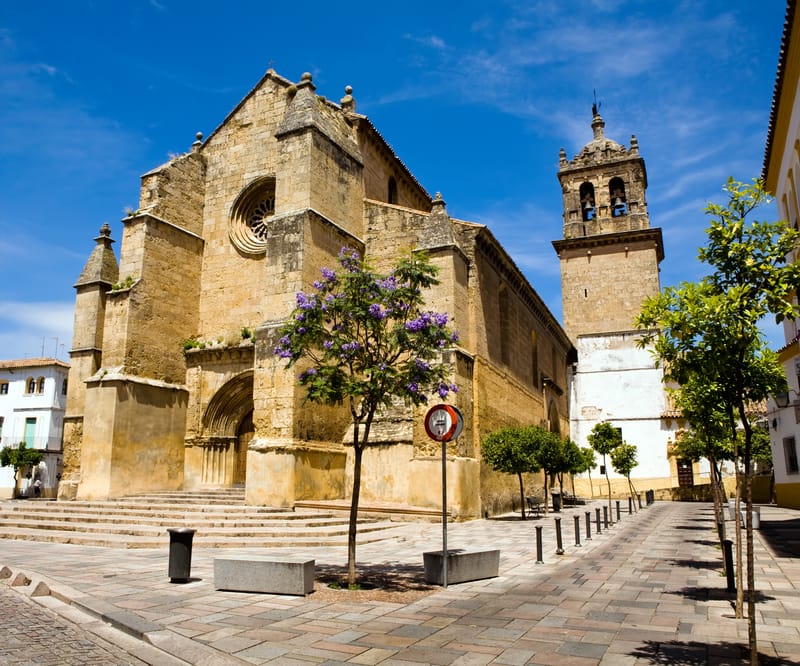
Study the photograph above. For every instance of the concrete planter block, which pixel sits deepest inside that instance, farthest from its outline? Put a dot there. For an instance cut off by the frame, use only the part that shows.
(264, 574)
(462, 565)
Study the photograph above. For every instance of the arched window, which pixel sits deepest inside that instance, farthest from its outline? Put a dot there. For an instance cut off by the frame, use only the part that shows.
(616, 191)
(391, 196)
(504, 323)
(30, 385)
(534, 360)
(40, 385)
(587, 201)
(3, 388)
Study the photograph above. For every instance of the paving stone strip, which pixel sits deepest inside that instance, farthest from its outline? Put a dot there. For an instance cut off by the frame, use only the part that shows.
(648, 590)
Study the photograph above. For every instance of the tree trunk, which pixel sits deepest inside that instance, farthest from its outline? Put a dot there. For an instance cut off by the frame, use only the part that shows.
(351, 530)
(608, 482)
(719, 507)
(521, 493)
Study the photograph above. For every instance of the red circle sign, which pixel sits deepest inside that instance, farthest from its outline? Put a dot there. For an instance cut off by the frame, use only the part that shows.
(442, 422)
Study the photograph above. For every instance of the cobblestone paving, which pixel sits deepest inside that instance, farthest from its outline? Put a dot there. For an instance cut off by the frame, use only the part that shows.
(30, 634)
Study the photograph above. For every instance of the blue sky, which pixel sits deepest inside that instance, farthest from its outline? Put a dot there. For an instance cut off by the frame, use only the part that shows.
(476, 98)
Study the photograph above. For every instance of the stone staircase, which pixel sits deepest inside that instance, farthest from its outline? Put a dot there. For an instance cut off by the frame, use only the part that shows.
(221, 518)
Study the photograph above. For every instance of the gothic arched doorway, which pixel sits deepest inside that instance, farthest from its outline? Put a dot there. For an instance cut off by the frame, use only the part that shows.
(244, 435)
(227, 432)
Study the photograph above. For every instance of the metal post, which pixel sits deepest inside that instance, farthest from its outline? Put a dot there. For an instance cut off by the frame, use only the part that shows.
(539, 559)
(559, 543)
(618, 517)
(639, 497)
(630, 505)
(605, 516)
(444, 514)
(728, 552)
(597, 520)
(577, 520)
(588, 525)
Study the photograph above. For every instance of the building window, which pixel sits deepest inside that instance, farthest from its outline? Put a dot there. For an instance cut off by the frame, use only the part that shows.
(534, 360)
(251, 215)
(64, 387)
(30, 431)
(3, 388)
(392, 193)
(1, 426)
(504, 323)
(30, 385)
(40, 385)
(790, 452)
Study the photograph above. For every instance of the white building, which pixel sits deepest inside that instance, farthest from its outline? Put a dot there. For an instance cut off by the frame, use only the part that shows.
(782, 178)
(33, 396)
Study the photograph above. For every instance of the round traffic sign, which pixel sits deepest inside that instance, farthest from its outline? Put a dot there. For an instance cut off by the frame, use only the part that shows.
(442, 422)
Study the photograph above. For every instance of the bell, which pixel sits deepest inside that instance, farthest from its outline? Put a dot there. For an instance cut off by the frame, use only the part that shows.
(619, 204)
(587, 205)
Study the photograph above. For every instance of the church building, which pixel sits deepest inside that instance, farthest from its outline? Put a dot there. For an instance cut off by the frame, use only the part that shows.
(173, 381)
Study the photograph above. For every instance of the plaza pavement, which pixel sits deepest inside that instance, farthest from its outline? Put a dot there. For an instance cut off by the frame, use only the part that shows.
(648, 590)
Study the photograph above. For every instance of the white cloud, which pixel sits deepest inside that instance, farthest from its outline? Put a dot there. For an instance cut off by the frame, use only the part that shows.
(28, 328)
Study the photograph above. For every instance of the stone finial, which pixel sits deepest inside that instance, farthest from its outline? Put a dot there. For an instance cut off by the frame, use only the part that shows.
(105, 236)
(562, 157)
(347, 102)
(306, 81)
(438, 206)
(598, 127)
(634, 144)
(198, 142)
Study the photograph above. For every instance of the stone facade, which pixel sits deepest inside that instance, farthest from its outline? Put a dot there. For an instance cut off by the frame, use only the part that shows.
(174, 383)
(609, 259)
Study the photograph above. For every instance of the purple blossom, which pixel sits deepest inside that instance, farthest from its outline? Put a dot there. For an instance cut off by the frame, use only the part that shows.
(307, 374)
(319, 286)
(377, 311)
(442, 390)
(328, 274)
(421, 364)
(454, 336)
(301, 330)
(350, 347)
(349, 259)
(328, 344)
(282, 353)
(304, 301)
(413, 387)
(389, 284)
(440, 318)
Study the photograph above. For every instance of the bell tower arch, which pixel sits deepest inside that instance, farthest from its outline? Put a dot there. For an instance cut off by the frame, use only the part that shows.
(609, 255)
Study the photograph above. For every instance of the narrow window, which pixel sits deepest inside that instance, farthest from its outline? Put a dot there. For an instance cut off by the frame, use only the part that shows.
(619, 203)
(3, 388)
(505, 352)
(587, 201)
(40, 385)
(1, 426)
(790, 452)
(30, 431)
(392, 191)
(534, 360)
(64, 387)
(31, 385)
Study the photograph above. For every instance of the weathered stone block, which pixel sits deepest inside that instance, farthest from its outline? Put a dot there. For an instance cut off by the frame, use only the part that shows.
(264, 574)
(462, 565)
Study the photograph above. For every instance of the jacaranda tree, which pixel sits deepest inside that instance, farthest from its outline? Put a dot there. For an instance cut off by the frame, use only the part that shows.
(364, 339)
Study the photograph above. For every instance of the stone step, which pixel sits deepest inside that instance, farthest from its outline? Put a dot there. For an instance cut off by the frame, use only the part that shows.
(199, 541)
(142, 521)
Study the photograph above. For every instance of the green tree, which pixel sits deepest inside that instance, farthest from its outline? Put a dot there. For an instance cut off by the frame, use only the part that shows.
(587, 464)
(604, 438)
(364, 339)
(20, 458)
(513, 451)
(553, 458)
(710, 329)
(574, 461)
(623, 459)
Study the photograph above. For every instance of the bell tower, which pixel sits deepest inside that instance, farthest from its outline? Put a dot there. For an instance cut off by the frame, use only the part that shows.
(609, 255)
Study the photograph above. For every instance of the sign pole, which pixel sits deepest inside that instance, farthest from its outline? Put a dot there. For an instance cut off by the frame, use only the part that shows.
(444, 514)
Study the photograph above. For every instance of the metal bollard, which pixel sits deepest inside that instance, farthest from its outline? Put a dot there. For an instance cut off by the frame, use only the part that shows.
(605, 517)
(577, 520)
(618, 516)
(588, 525)
(630, 505)
(639, 497)
(180, 554)
(539, 559)
(728, 554)
(597, 520)
(559, 542)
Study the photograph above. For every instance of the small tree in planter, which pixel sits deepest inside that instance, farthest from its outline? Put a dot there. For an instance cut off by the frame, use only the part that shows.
(623, 459)
(367, 339)
(604, 438)
(20, 458)
(513, 451)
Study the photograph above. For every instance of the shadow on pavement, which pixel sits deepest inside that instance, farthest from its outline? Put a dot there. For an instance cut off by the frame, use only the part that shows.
(692, 653)
(783, 536)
